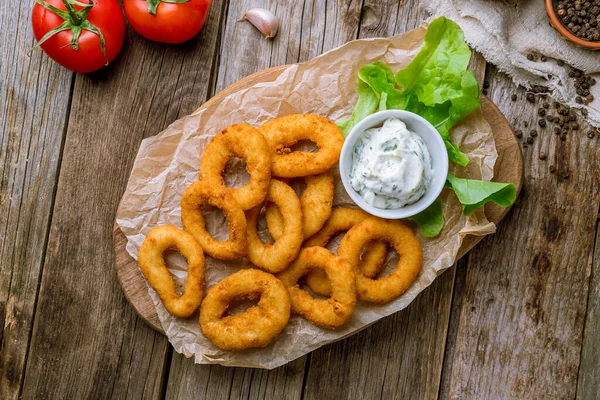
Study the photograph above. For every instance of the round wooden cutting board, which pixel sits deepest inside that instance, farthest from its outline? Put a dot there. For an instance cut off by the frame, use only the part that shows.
(508, 168)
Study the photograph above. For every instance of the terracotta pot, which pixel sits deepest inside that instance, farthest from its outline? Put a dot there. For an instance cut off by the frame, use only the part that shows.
(564, 32)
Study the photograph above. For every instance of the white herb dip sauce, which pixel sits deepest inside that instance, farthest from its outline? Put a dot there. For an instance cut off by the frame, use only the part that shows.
(391, 166)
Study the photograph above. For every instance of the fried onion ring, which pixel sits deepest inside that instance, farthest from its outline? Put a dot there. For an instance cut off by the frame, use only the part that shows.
(279, 255)
(338, 308)
(245, 142)
(201, 193)
(343, 219)
(284, 132)
(316, 202)
(152, 264)
(255, 327)
(405, 242)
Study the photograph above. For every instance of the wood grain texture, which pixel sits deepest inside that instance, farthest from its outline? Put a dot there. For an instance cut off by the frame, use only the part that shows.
(34, 104)
(521, 319)
(589, 367)
(86, 341)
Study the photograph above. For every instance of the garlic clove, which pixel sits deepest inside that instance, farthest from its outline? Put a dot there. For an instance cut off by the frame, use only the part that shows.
(264, 20)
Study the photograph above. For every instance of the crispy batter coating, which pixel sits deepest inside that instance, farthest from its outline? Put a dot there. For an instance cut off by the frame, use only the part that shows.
(284, 132)
(255, 327)
(405, 242)
(279, 255)
(316, 202)
(152, 264)
(338, 308)
(343, 219)
(243, 141)
(200, 193)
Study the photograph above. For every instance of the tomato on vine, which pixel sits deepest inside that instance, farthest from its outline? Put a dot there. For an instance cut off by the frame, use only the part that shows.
(82, 37)
(167, 21)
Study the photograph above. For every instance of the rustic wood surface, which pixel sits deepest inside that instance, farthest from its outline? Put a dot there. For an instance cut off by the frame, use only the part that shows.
(518, 318)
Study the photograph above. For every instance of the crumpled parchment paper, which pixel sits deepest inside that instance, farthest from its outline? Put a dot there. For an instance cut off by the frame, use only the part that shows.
(167, 163)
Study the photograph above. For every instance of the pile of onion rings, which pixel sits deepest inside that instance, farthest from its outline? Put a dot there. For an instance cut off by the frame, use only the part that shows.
(300, 226)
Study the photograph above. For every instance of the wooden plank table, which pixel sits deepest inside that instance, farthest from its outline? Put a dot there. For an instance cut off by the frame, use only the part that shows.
(518, 317)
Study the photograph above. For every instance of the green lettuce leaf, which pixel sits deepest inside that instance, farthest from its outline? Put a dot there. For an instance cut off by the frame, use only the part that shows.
(367, 104)
(435, 74)
(473, 194)
(436, 85)
(430, 220)
(381, 79)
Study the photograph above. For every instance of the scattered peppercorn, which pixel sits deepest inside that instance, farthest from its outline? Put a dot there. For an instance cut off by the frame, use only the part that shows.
(542, 155)
(563, 137)
(557, 130)
(578, 100)
(533, 133)
(530, 97)
(543, 59)
(513, 97)
(560, 63)
(542, 123)
(590, 134)
(546, 105)
(529, 140)
(519, 133)
(541, 112)
(531, 57)
(581, 17)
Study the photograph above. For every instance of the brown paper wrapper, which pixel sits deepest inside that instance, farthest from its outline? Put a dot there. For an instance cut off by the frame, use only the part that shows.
(167, 163)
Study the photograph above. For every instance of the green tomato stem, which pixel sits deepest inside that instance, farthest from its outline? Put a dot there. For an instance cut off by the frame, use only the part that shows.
(75, 20)
(153, 4)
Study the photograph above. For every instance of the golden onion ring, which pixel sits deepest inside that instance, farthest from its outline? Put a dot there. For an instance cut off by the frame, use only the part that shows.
(343, 219)
(153, 267)
(255, 327)
(201, 193)
(338, 308)
(316, 202)
(245, 142)
(279, 255)
(405, 242)
(283, 132)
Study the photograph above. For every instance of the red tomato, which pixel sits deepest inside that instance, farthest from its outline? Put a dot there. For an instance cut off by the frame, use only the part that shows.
(175, 21)
(85, 55)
